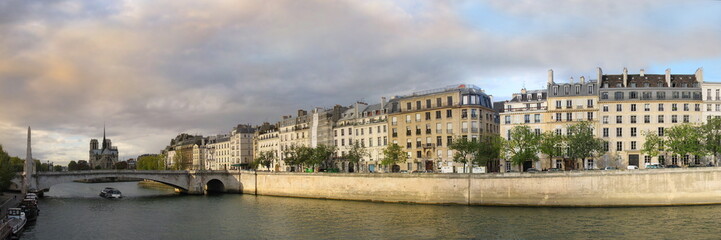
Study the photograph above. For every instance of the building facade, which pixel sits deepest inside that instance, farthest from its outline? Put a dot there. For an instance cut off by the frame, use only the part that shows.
(425, 123)
(266, 139)
(636, 104)
(529, 108)
(241, 146)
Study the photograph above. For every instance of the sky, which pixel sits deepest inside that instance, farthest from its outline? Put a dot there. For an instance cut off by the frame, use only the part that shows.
(149, 70)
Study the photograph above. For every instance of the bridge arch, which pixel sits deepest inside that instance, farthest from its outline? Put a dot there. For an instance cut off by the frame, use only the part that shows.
(214, 186)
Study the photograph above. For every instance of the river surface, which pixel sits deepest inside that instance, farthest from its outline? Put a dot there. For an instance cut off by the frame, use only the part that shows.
(75, 211)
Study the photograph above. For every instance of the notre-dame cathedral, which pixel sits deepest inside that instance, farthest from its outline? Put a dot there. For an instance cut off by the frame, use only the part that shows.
(105, 157)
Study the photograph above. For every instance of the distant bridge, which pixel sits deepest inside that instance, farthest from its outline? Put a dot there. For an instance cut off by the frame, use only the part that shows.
(191, 182)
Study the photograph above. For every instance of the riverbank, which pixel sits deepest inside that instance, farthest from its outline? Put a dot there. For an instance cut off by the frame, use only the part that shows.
(619, 188)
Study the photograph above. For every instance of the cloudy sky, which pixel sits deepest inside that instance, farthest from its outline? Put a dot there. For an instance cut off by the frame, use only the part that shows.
(152, 69)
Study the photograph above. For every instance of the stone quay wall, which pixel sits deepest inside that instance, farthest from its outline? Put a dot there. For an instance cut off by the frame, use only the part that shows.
(651, 187)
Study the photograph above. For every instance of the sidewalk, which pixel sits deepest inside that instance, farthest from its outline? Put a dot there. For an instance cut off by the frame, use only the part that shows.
(9, 200)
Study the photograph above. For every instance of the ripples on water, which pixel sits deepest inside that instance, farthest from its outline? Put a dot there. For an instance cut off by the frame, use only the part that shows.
(74, 211)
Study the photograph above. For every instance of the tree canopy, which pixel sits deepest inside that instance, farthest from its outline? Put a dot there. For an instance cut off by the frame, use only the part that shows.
(393, 154)
(522, 145)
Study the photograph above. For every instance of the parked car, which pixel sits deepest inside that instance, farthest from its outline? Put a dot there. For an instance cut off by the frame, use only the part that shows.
(632, 167)
(555, 170)
(672, 166)
(653, 166)
(403, 171)
(610, 168)
(532, 170)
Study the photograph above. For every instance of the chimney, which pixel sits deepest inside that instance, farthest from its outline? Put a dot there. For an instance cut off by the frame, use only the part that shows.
(668, 77)
(383, 103)
(550, 76)
(583, 80)
(699, 75)
(599, 76)
(642, 72)
(570, 80)
(356, 109)
(625, 76)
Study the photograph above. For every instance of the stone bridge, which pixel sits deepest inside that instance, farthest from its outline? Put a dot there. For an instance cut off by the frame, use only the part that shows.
(191, 182)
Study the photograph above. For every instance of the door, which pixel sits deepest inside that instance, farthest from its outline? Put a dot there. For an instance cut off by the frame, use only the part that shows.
(396, 168)
(372, 168)
(429, 165)
(633, 160)
(527, 165)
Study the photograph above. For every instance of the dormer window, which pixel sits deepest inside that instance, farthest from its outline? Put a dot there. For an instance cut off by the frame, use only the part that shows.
(555, 90)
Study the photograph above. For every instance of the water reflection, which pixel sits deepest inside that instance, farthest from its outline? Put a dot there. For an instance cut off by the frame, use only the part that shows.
(74, 211)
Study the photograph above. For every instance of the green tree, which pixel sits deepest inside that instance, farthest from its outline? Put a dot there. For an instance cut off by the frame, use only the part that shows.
(322, 155)
(298, 156)
(465, 150)
(489, 149)
(582, 143)
(393, 154)
(265, 159)
(6, 170)
(551, 145)
(522, 145)
(57, 168)
(355, 154)
(712, 137)
(121, 165)
(72, 166)
(179, 161)
(150, 162)
(83, 165)
(653, 145)
(685, 139)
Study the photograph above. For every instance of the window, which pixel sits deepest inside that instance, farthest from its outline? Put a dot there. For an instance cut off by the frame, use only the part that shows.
(660, 106)
(555, 90)
(569, 104)
(449, 113)
(646, 159)
(674, 119)
(409, 144)
(569, 116)
(408, 118)
(507, 119)
(685, 107)
(440, 130)
(537, 118)
(618, 95)
(619, 108)
(394, 132)
(590, 89)
(647, 119)
(619, 119)
(604, 95)
(605, 146)
(633, 145)
(428, 103)
(558, 104)
(685, 118)
(438, 114)
(589, 103)
(578, 89)
(438, 102)
(449, 128)
(632, 95)
(418, 105)
(660, 131)
(633, 119)
(590, 116)
(428, 115)
(449, 101)
(660, 118)
(408, 106)
(697, 107)
(605, 108)
(439, 141)
(558, 117)
(660, 95)
(605, 132)
(674, 107)
(619, 146)
(418, 117)
(605, 119)
(394, 121)
(646, 107)
(619, 132)
(633, 132)
(449, 140)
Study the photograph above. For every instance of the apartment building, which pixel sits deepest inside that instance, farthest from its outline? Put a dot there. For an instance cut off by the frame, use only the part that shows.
(266, 139)
(365, 125)
(569, 103)
(424, 123)
(527, 107)
(218, 152)
(632, 104)
(711, 100)
(241, 146)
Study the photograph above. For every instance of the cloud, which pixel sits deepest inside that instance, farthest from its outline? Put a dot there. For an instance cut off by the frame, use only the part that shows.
(153, 69)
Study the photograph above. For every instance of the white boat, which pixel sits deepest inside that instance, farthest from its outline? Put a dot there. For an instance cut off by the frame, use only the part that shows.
(109, 192)
(16, 219)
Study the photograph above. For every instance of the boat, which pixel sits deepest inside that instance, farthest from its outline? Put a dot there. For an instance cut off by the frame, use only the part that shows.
(30, 208)
(16, 219)
(109, 192)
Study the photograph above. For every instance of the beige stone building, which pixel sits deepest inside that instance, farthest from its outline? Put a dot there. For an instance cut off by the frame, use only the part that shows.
(367, 126)
(570, 103)
(424, 123)
(528, 107)
(241, 146)
(218, 152)
(711, 100)
(632, 104)
(267, 139)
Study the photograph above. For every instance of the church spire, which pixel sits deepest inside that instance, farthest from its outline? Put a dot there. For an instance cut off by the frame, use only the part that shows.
(105, 142)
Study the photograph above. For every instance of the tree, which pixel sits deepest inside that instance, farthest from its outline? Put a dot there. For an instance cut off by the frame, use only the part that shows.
(72, 166)
(179, 162)
(355, 154)
(551, 145)
(712, 137)
(393, 154)
(489, 149)
(522, 145)
(322, 155)
(653, 144)
(685, 139)
(582, 143)
(298, 156)
(121, 165)
(57, 168)
(6, 170)
(151, 162)
(465, 150)
(265, 159)
(83, 165)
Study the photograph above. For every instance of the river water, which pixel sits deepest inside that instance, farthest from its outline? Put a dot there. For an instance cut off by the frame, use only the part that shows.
(75, 211)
